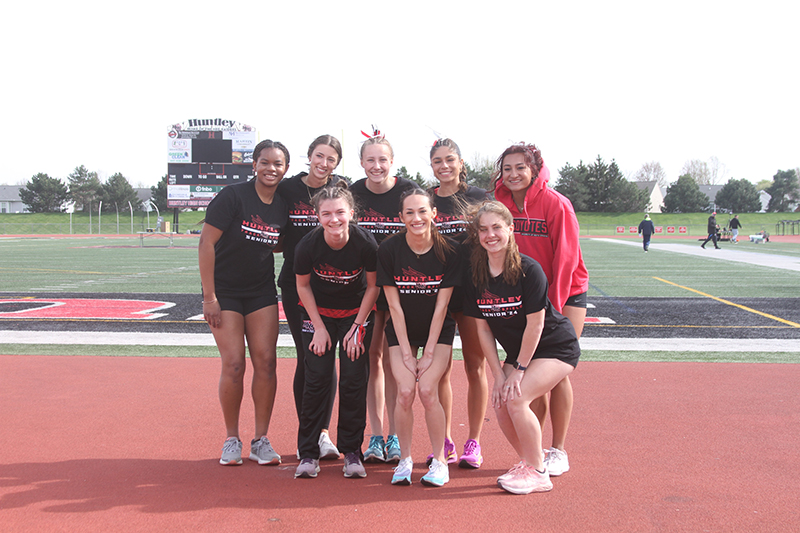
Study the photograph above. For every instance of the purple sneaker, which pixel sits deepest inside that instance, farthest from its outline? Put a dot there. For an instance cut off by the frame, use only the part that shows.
(449, 453)
(472, 457)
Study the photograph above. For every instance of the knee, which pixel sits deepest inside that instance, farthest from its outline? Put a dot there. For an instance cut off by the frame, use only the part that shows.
(517, 407)
(476, 370)
(265, 365)
(429, 395)
(233, 370)
(405, 397)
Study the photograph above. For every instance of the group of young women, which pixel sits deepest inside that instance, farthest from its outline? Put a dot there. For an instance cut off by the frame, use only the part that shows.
(381, 270)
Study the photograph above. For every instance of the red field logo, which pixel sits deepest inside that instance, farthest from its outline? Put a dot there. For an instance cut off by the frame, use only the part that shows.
(114, 309)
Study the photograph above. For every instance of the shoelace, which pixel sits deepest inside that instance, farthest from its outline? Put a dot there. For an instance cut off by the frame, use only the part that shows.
(469, 449)
(230, 445)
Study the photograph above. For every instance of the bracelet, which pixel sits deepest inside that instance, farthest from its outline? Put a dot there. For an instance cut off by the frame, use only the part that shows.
(211, 302)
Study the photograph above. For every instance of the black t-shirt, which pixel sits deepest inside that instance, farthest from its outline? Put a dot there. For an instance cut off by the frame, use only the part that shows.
(449, 220)
(379, 213)
(302, 218)
(418, 280)
(338, 278)
(244, 265)
(505, 309)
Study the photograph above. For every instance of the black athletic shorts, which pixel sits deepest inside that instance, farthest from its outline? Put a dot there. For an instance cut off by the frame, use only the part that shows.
(579, 300)
(418, 337)
(245, 306)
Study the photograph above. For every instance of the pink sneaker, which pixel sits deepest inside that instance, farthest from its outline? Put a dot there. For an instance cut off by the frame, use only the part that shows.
(472, 457)
(511, 471)
(525, 480)
(449, 453)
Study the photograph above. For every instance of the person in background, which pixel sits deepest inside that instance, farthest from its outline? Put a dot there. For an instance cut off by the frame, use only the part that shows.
(646, 229)
(735, 225)
(713, 229)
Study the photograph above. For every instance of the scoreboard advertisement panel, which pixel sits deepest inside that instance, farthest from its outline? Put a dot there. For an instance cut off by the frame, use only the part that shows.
(204, 155)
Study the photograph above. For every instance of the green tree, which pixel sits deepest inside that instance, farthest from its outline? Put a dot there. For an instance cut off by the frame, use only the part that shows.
(601, 188)
(118, 190)
(763, 185)
(684, 196)
(84, 188)
(784, 191)
(573, 183)
(158, 193)
(43, 194)
(402, 172)
(740, 196)
(479, 173)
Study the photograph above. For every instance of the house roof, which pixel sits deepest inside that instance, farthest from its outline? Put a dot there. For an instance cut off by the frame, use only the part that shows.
(9, 193)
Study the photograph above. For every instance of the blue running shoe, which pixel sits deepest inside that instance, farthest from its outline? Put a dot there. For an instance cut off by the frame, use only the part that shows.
(375, 451)
(392, 449)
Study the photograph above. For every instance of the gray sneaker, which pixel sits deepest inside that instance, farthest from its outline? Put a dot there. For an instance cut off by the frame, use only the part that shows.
(327, 450)
(307, 468)
(261, 451)
(231, 452)
(353, 466)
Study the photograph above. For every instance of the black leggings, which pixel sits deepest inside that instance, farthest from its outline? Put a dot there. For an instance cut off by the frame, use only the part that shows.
(293, 312)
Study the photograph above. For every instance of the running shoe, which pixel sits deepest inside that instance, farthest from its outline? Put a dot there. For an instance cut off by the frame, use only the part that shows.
(375, 451)
(307, 468)
(353, 466)
(262, 452)
(392, 449)
(231, 452)
(327, 450)
(472, 457)
(511, 472)
(449, 453)
(438, 474)
(526, 480)
(402, 472)
(556, 462)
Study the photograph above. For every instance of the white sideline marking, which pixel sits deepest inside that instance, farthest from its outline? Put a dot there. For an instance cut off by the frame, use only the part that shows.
(587, 343)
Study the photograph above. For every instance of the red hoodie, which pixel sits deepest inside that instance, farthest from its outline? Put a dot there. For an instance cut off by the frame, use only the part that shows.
(547, 230)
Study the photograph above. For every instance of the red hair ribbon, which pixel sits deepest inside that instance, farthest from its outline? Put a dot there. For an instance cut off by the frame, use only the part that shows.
(375, 133)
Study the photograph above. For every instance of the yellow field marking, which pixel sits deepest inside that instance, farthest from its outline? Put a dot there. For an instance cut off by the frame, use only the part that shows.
(743, 307)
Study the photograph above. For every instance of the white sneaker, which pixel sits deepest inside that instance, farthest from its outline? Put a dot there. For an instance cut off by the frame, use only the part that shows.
(326, 448)
(402, 472)
(438, 474)
(556, 462)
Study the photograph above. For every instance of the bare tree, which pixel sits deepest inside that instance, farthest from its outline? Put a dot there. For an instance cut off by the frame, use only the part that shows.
(698, 170)
(717, 171)
(652, 171)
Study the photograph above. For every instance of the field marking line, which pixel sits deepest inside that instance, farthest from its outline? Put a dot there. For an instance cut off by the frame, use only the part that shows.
(722, 300)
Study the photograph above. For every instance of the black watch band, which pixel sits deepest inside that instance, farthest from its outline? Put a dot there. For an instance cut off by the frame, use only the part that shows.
(518, 366)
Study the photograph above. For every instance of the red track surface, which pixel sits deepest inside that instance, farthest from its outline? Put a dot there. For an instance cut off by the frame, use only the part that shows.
(97, 443)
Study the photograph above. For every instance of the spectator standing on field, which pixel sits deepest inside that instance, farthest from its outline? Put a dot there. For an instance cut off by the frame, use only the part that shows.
(646, 229)
(735, 225)
(712, 231)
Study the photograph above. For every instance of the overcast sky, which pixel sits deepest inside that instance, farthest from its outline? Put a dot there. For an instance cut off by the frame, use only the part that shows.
(99, 84)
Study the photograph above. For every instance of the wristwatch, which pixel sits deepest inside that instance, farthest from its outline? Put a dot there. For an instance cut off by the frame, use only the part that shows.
(518, 366)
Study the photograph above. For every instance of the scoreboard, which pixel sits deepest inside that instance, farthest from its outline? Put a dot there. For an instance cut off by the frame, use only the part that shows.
(204, 155)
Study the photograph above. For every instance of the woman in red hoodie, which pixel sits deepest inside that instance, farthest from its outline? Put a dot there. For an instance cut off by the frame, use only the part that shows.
(546, 229)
